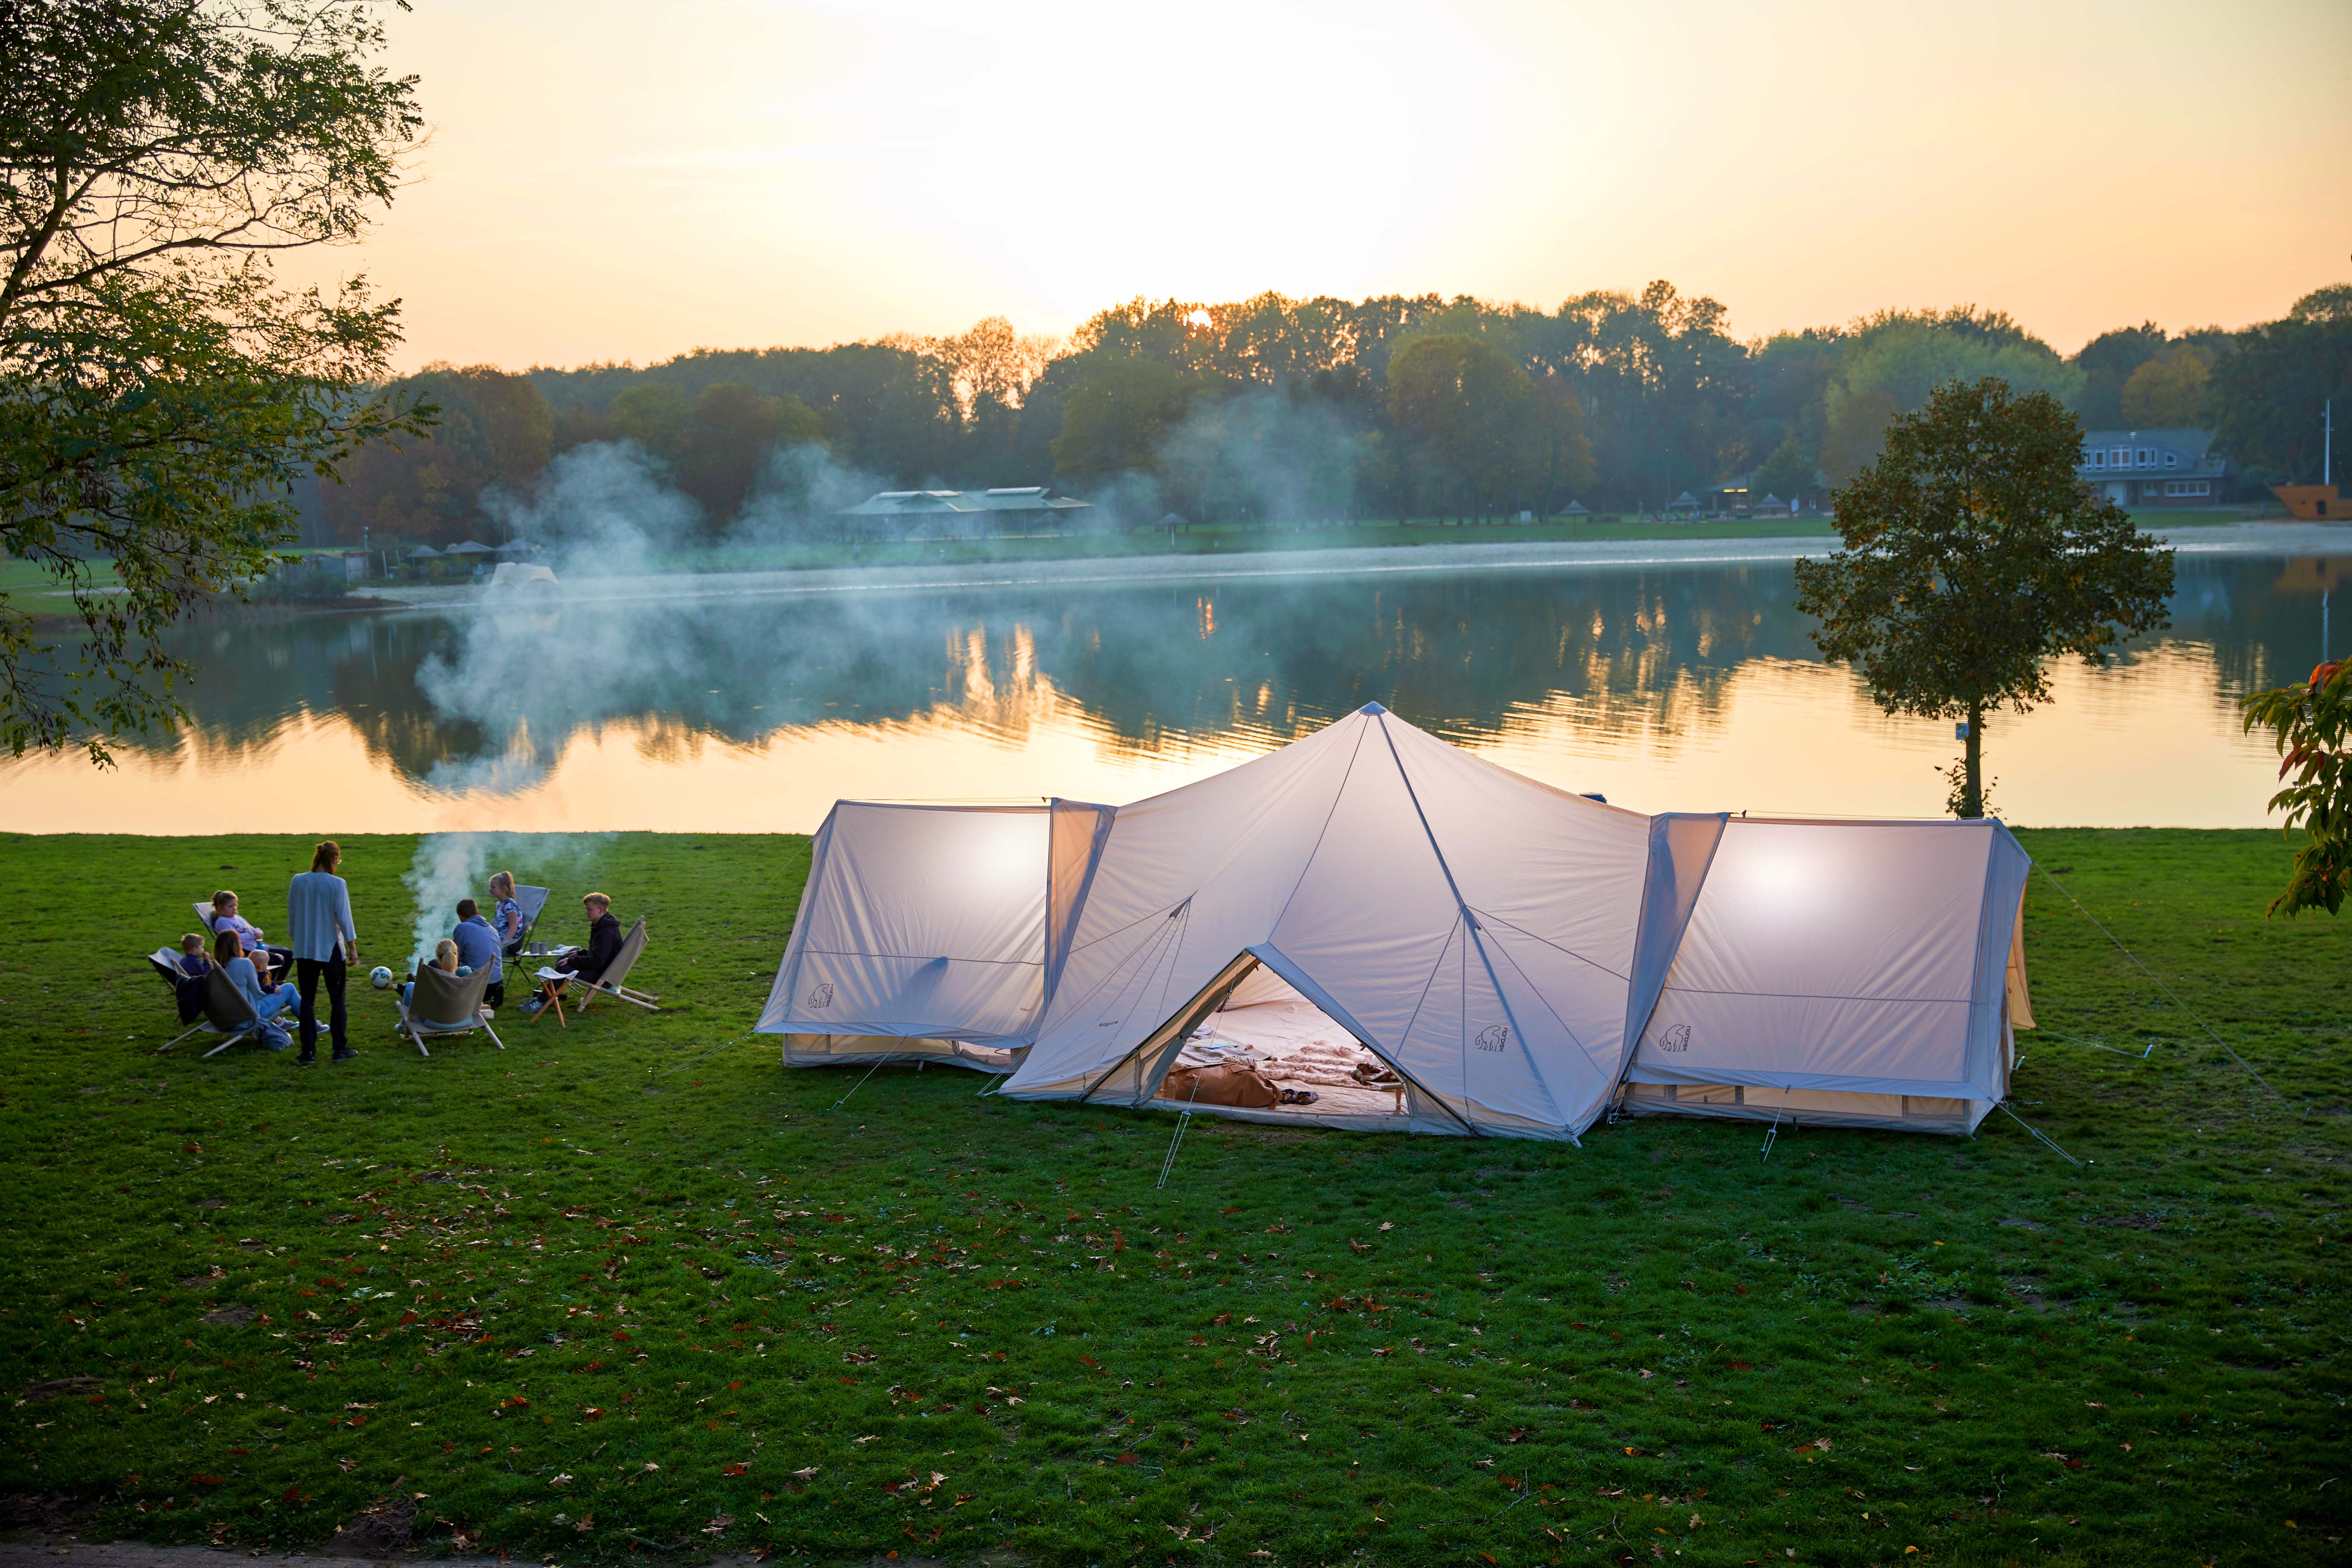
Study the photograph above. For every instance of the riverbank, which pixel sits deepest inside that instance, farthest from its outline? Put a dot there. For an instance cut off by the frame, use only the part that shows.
(1415, 556)
(631, 1286)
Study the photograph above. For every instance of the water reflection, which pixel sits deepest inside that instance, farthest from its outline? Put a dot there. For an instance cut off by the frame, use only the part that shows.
(1682, 687)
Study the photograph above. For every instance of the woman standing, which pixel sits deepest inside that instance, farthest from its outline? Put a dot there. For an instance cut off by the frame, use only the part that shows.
(326, 942)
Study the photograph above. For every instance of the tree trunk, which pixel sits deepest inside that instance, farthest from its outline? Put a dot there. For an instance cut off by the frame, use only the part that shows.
(1972, 780)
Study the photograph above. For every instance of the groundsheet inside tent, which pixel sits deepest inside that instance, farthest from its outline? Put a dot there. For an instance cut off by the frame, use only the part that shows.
(1866, 973)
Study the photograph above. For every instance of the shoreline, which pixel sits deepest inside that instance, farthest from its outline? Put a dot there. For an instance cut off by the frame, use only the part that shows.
(2227, 539)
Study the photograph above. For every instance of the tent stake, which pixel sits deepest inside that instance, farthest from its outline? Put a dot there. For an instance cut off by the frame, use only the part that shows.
(1772, 1134)
(2042, 1137)
(859, 1084)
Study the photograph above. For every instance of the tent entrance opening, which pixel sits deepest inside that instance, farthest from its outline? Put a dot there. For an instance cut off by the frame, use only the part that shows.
(1267, 1049)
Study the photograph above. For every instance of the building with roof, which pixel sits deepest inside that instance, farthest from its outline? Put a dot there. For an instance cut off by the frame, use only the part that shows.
(2153, 468)
(966, 512)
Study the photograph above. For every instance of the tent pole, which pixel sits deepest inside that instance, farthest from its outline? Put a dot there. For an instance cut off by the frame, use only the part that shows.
(859, 1084)
(2040, 1136)
(1184, 1122)
(1772, 1134)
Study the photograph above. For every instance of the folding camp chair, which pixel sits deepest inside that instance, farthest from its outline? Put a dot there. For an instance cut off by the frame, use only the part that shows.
(531, 900)
(441, 995)
(165, 961)
(554, 982)
(226, 1014)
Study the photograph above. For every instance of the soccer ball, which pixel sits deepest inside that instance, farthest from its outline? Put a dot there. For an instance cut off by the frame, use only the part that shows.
(380, 977)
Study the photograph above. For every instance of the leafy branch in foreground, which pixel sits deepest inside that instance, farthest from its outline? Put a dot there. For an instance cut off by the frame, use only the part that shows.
(2313, 723)
(159, 393)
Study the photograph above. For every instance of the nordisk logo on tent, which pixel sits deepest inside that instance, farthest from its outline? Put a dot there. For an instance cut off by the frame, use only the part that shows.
(1676, 1039)
(1492, 1038)
(822, 996)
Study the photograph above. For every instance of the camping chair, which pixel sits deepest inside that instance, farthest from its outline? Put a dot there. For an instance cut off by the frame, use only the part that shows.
(554, 982)
(226, 1014)
(531, 900)
(440, 994)
(165, 961)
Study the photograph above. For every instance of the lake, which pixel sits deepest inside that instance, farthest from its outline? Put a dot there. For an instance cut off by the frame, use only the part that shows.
(1672, 686)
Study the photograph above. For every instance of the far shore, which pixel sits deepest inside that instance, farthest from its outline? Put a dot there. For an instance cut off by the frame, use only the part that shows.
(2228, 538)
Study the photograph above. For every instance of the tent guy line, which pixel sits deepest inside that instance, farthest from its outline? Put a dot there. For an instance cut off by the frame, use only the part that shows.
(2160, 985)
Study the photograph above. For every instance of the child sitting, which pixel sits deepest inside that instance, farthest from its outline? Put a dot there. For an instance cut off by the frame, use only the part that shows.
(189, 990)
(445, 957)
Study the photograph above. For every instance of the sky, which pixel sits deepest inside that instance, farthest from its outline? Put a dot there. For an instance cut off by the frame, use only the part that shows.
(608, 181)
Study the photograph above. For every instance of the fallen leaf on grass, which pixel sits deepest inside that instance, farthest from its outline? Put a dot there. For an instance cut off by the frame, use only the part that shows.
(804, 1475)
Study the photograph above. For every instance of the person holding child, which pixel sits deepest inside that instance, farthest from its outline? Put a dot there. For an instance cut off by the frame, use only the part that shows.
(225, 917)
(267, 1001)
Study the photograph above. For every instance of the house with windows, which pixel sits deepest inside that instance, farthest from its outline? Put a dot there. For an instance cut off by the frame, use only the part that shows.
(2153, 467)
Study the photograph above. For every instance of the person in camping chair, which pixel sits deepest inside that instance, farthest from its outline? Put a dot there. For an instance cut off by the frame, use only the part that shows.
(589, 963)
(478, 948)
(507, 919)
(225, 917)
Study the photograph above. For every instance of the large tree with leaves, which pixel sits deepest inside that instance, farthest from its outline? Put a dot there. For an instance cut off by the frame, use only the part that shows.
(160, 391)
(1973, 556)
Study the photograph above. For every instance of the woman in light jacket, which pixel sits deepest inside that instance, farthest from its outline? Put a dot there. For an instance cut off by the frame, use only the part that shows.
(266, 1000)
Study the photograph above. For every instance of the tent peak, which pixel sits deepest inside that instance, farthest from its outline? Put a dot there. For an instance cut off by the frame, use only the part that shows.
(1372, 709)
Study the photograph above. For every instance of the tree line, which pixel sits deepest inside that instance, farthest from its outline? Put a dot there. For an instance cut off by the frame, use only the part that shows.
(1280, 410)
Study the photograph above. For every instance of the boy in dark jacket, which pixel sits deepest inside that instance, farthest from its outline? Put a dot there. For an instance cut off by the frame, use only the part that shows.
(589, 963)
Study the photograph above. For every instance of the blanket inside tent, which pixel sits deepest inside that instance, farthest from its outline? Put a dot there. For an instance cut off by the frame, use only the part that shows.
(1268, 1025)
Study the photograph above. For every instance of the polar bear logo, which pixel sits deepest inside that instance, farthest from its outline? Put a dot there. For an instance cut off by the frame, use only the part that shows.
(1676, 1039)
(822, 996)
(1492, 1038)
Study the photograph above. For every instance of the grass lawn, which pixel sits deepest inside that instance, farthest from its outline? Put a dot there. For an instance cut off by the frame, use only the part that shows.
(629, 1287)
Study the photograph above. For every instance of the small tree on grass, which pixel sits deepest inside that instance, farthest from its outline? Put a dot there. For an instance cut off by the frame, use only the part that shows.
(1973, 555)
(2313, 726)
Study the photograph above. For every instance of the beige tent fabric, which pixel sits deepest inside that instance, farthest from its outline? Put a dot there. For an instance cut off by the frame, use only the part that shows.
(2020, 1002)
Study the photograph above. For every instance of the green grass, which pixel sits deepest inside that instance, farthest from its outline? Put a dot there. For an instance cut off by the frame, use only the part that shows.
(941, 1325)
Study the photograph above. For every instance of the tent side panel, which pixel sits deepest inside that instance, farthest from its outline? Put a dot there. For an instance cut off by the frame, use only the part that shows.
(1682, 847)
(772, 1015)
(920, 920)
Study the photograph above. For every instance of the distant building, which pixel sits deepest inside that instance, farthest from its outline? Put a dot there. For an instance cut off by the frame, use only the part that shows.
(2153, 468)
(951, 506)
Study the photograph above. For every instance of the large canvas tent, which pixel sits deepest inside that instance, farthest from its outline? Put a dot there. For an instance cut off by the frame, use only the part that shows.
(1494, 956)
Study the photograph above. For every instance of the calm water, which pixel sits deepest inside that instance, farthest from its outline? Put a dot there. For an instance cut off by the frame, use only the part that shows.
(1667, 688)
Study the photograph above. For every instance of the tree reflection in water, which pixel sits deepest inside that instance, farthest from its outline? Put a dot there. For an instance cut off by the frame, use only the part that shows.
(485, 703)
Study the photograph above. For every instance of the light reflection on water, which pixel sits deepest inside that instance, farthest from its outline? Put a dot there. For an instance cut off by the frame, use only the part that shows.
(1666, 688)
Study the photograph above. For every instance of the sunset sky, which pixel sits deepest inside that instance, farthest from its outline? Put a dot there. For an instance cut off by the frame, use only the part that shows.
(609, 182)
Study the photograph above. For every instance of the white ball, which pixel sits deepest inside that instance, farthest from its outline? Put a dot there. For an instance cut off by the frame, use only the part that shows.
(380, 977)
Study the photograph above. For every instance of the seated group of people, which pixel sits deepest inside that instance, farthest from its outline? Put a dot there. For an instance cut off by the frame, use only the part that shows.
(260, 970)
(477, 942)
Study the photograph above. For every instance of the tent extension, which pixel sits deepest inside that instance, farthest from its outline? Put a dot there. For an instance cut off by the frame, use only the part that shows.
(931, 932)
(1845, 973)
(1521, 958)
